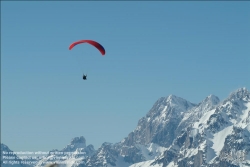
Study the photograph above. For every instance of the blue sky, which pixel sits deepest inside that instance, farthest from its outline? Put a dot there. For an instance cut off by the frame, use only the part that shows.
(153, 49)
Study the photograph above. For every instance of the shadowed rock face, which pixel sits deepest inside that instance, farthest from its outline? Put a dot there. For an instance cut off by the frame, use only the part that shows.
(160, 123)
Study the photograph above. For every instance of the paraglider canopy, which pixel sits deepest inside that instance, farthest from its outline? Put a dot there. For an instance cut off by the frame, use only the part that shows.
(94, 43)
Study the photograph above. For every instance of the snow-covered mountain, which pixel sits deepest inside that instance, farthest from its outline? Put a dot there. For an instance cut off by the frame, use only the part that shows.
(175, 133)
(220, 137)
(72, 155)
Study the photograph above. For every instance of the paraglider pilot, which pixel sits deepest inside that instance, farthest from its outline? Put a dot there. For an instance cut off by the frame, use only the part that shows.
(84, 77)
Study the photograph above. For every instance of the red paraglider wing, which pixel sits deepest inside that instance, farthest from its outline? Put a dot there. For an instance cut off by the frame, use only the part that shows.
(95, 44)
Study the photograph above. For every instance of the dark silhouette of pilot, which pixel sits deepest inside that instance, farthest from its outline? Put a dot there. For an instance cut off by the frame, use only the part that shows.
(84, 77)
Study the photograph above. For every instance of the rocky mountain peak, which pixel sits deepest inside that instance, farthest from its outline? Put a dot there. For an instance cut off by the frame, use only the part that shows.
(77, 142)
(208, 103)
(167, 105)
(213, 99)
(173, 100)
(240, 93)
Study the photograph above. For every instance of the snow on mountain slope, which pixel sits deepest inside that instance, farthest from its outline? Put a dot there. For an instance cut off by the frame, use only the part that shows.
(145, 164)
(199, 113)
(203, 119)
(151, 151)
(219, 139)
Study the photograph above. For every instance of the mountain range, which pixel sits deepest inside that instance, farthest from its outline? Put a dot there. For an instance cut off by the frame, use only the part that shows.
(174, 133)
